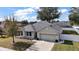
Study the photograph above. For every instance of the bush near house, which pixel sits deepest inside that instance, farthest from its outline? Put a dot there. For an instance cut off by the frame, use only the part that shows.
(68, 42)
(21, 46)
(69, 32)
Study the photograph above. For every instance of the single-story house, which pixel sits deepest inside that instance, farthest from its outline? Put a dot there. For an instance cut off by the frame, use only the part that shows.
(41, 30)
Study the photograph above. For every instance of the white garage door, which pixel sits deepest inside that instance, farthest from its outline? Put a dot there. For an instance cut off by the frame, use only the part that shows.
(48, 37)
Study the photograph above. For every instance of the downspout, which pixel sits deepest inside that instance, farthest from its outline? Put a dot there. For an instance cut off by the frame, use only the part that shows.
(59, 37)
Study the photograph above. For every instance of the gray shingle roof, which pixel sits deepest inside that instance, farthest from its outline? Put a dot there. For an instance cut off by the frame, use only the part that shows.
(63, 23)
(41, 25)
(28, 28)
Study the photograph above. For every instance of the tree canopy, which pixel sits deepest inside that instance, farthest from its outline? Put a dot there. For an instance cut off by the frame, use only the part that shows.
(74, 16)
(48, 13)
(11, 27)
(24, 22)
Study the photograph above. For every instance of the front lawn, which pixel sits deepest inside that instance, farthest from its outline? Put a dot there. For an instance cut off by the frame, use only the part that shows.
(7, 42)
(66, 47)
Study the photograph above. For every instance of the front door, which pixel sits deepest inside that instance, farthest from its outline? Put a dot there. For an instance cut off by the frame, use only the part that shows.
(35, 36)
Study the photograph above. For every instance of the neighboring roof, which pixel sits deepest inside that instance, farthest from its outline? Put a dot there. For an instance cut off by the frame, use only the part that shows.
(42, 25)
(63, 23)
(2, 25)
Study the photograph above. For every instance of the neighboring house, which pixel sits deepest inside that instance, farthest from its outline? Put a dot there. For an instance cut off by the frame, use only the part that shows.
(2, 25)
(64, 24)
(41, 30)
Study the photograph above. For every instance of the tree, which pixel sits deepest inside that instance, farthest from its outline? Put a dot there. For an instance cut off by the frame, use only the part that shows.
(1, 32)
(24, 22)
(74, 16)
(11, 27)
(32, 22)
(48, 13)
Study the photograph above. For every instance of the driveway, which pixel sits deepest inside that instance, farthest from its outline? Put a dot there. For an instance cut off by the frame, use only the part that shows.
(41, 46)
(5, 49)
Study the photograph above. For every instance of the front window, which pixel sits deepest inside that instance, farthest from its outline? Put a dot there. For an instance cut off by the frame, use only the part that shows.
(28, 33)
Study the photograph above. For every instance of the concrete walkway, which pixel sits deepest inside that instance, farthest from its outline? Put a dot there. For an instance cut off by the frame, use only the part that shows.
(5, 49)
(41, 46)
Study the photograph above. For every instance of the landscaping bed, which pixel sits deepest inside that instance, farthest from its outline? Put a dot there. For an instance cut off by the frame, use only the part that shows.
(21, 46)
(68, 42)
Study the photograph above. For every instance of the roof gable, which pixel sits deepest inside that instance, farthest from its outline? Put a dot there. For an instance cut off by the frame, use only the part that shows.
(48, 30)
(28, 28)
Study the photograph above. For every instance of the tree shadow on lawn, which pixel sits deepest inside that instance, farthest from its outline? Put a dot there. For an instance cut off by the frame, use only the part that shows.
(68, 42)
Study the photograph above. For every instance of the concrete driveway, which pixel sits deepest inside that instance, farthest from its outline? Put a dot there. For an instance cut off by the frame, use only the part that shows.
(5, 49)
(41, 46)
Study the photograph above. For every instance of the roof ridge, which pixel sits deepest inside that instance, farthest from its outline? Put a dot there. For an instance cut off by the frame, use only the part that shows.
(33, 27)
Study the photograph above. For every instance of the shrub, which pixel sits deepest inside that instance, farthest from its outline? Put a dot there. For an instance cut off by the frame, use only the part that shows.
(21, 46)
(68, 42)
(69, 32)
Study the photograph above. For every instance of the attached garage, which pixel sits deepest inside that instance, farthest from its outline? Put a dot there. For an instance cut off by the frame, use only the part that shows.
(49, 37)
(48, 34)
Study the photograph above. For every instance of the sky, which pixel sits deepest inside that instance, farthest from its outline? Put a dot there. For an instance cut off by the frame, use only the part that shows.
(29, 13)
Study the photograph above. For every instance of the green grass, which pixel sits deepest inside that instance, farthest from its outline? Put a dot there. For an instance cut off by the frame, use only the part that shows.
(7, 42)
(66, 47)
(69, 32)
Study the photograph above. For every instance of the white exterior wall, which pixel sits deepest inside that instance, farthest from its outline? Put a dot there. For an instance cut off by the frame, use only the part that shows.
(28, 28)
(48, 37)
(26, 36)
(70, 37)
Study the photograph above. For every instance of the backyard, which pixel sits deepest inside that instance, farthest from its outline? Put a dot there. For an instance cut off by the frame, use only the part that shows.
(72, 46)
(7, 42)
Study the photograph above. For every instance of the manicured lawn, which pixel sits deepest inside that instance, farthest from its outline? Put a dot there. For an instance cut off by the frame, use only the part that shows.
(7, 42)
(66, 47)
